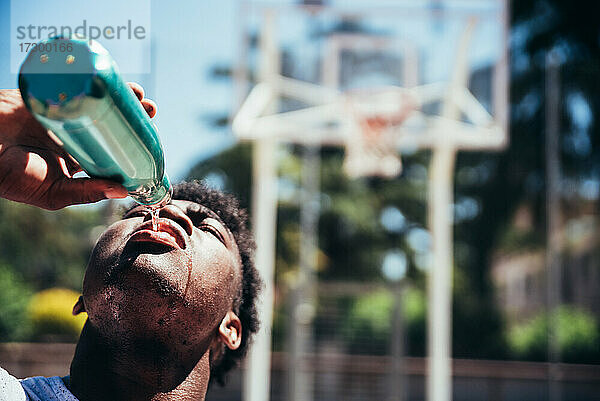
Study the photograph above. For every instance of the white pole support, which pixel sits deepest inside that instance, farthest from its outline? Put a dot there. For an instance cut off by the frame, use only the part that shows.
(441, 199)
(325, 122)
(439, 384)
(257, 378)
(257, 384)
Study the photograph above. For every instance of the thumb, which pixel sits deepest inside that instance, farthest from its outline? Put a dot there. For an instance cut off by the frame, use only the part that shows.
(76, 191)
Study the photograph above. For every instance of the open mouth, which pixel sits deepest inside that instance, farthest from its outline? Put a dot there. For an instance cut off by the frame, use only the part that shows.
(167, 234)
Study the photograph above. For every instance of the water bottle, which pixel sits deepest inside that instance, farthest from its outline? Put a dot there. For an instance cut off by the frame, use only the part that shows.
(72, 86)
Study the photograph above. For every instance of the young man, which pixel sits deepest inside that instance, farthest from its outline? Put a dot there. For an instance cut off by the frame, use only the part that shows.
(168, 310)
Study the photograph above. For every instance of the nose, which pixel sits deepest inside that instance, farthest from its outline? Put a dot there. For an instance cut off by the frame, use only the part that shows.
(177, 215)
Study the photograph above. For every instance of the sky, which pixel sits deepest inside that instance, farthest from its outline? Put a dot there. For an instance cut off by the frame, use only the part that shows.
(188, 38)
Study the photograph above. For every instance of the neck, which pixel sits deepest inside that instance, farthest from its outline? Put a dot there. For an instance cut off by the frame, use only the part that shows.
(103, 370)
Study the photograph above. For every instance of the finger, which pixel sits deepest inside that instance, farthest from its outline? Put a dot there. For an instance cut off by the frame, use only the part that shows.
(50, 142)
(68, 164)
(137, 89)
(150, 107)
(63, 166)
(72, 165)
(34, 135)
(83, 190)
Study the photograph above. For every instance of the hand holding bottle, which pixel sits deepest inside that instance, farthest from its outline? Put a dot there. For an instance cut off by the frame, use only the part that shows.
(34, 169)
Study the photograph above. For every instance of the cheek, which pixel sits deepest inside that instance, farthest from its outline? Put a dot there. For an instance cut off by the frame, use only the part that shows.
(212, 284)
(113, 238)
(105, 253)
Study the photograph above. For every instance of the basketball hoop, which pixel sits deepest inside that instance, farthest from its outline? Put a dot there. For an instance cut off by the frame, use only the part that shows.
(371, 145)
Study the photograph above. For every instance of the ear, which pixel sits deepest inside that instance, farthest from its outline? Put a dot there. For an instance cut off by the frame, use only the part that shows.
(78, 307)
(230, 330)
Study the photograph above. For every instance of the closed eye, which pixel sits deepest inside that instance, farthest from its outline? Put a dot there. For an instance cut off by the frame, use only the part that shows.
(203, 219)
(205, 226)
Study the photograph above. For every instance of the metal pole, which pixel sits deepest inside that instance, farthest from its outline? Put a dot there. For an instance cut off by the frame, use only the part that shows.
(441, 199)
(398, 382)
(501, 78)
(264, 210)
(303, 294)
(240, 69)
(439, 344)
(553, 243)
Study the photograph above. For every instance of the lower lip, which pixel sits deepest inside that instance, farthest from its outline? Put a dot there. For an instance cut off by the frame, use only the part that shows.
(159, 237)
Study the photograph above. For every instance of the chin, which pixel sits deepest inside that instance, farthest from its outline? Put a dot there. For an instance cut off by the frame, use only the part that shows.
(144, 303)
(127, 311)
(157, 329)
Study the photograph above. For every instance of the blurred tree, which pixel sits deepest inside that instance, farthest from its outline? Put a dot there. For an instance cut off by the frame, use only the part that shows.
(230, 170)
(47, 248)
(368, 328)
(49, 312)
(14, 298)
(577, 335)
(354, 231)
(499, 183)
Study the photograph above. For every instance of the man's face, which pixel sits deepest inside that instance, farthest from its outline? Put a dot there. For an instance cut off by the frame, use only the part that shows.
(172, 287)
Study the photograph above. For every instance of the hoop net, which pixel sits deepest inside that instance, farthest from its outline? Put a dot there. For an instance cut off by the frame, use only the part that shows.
(371, 147)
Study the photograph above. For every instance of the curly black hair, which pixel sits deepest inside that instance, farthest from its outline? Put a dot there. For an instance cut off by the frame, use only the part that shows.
(227, 207)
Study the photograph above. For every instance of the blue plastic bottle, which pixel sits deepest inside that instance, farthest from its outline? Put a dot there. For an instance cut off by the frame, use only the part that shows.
(73, 87)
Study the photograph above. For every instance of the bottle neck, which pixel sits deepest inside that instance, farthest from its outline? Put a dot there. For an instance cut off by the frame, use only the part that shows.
(156, 196)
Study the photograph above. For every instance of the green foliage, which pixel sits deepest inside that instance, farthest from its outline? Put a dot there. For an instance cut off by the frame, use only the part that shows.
(233, 166)
(351, 237)
(47, 248)
(577, 336)
(514, 240)
(50, 313)
(373, 311)
(415, 321)
(368, 323)
(14, 298)
(476, 331)
(353, 241)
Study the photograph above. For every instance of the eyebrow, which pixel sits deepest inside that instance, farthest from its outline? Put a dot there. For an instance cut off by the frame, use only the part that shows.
(212, 214)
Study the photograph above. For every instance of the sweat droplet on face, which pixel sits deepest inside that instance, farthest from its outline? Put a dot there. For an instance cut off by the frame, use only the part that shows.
(189, 271)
